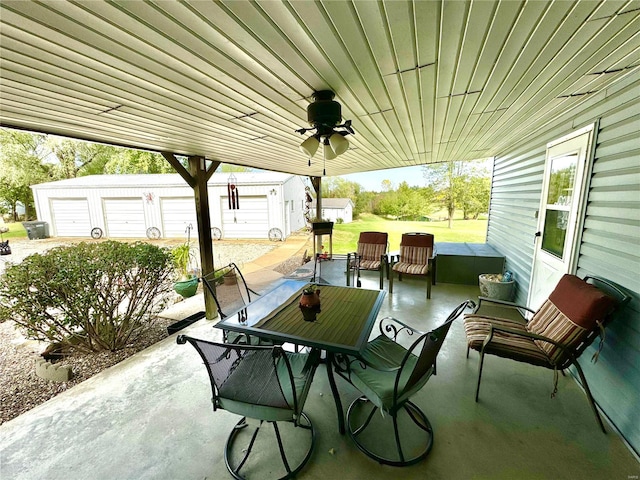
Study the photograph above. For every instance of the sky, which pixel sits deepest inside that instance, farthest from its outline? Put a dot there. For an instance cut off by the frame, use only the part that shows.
(414, 176)
(372, 181)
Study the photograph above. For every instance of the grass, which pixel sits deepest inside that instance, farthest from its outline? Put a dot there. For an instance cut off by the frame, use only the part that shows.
(16, 230)
(345, 235)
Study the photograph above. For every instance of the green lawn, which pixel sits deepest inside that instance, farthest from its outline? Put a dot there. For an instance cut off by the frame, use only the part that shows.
(345, 235)
(16, 230)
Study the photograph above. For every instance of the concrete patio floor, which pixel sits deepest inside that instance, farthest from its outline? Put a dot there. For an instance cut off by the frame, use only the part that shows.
(150, 417)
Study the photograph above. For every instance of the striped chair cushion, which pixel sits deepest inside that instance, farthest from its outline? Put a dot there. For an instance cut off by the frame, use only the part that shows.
(569, 314)
(420, 255)
(552, 323)
(411, 268)
(371, 251)
(370, 264)
(503, 344)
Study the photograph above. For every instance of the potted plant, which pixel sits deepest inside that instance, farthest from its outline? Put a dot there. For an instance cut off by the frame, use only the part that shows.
(187, 284)
(229, 276)
(310, 302)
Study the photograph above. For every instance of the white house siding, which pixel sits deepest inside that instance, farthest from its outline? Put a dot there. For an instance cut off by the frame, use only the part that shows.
(71, 218)
(610, 237)
(166, 202)
(293, 195)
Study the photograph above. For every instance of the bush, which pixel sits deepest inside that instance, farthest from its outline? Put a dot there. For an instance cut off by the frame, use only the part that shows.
(90, 296)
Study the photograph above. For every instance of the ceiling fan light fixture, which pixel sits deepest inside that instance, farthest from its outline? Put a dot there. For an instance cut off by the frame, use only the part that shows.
(309, 146)
(324, 115)
(338, 143)
(329, 154)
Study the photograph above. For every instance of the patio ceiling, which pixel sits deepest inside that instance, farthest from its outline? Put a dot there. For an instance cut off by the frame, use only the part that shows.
(422, 81)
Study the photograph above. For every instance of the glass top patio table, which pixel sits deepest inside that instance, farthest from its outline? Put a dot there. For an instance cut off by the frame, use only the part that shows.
(343, 325)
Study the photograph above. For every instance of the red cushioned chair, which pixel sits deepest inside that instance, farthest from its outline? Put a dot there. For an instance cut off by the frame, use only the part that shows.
(371, 254)
(575, 313)
(416, 258)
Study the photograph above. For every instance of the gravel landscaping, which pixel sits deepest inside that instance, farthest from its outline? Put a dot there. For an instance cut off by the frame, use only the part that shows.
(21, 389)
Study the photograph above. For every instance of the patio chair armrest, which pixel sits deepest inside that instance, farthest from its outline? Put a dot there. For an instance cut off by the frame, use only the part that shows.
(342, 366)
(502, 302)
(392, 331)
(520, 333)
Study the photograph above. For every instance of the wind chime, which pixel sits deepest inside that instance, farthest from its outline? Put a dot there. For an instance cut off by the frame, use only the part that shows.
(232, 195)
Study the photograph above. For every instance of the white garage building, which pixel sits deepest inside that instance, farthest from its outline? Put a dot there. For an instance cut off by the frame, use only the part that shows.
(270, 205)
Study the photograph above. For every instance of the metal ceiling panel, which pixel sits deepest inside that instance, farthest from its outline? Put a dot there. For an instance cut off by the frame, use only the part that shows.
(422, 81)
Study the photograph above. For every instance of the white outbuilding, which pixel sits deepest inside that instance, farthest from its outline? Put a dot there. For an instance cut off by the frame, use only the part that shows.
(337, 210)
(269, 205)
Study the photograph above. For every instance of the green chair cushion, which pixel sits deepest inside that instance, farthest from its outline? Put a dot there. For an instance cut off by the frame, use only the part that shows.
(302, 369)
(377, 384)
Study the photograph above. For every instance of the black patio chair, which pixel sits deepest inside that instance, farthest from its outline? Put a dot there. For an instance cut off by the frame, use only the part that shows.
(371, 254)
(266, 384)
(389, 375)
(231, 293)
(416, 258)
(574, 315)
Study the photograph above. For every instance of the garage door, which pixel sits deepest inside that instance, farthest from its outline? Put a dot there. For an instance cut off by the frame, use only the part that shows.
(124, 217)
(177, 215)
(70, 217)
(251, 220)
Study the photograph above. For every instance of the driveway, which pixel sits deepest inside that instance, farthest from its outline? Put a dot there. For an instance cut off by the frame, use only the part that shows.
(224, 251)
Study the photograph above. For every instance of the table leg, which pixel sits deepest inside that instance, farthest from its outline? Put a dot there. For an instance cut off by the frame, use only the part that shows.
(336, 394)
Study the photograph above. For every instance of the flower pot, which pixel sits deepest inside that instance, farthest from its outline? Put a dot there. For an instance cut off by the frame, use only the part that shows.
(230, 279)
(186, 288)
(492, 286)
(310, 305)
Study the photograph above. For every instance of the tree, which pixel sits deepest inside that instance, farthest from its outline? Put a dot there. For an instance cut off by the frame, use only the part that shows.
(28, 159)
(129, 161)
(406, 202)
(336, 187)
(21, 165)
(451, 181)
(74, 158)
(476, 197)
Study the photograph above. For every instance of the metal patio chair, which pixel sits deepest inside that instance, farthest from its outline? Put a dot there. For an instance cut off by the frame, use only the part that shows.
(229, 289)
(388, 375)
(416, 258)
(266, 384)
(576, 312)
(371, 254)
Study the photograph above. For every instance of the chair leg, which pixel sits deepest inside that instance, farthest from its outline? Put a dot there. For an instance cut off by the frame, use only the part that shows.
(428, 286)
(303, 422)
(587, 391)
(479, 374)
(240, 425)
(281, 448)
(391, 281)
(467, 350)
(397, 435)
(415, 414)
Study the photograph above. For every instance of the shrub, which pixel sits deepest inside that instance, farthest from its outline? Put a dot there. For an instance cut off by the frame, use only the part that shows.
(90, 296)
